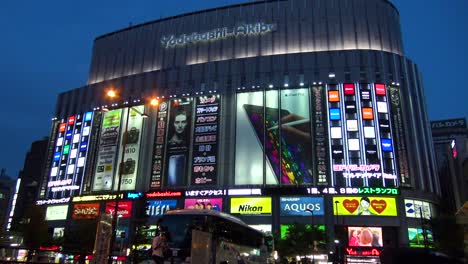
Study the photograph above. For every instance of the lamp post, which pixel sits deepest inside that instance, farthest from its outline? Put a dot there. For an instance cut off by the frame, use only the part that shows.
(112, 94)
(312, 234)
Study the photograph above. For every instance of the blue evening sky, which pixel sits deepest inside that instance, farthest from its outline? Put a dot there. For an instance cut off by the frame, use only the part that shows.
(45, 48)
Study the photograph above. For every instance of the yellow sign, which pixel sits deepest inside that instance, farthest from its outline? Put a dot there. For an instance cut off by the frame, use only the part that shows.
(363, 205)
(251, 205)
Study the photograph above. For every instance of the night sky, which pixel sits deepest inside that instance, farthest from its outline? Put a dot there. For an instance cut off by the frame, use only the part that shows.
(45, 49)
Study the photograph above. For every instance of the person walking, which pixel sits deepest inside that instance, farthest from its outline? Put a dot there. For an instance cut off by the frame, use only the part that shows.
(158, 245)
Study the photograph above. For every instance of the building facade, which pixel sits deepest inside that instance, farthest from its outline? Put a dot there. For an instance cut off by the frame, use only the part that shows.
(266, 109)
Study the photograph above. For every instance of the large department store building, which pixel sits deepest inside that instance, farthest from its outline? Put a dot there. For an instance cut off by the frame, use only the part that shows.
(266, 109)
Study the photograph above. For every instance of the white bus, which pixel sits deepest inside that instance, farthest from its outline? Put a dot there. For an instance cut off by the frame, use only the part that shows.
(211, 237)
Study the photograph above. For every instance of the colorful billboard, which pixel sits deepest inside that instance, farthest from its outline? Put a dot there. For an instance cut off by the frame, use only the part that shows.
(204, 203)
(419, 238)
(280, 131)
(293, 206)
(107, 150)
(124, 208)
(85, 210)
(365, 237)
(56, 212)
(205, 143)
(159, 143)
(178, 141)
(159, 207)
(418, 209)
(131, 154)
(251, 205)
(365, 206)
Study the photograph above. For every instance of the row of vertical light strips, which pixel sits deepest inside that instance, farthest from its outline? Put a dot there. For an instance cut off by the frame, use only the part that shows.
(351, 97)
(71, 150)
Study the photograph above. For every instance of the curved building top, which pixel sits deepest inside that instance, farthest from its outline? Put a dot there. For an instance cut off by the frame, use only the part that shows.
(260, 28)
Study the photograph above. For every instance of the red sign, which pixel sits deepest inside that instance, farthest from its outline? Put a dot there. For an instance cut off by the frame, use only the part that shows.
(85, 211)
(71, 120)
(163, 194)
(380, 89)
(124, 208)
(363, 252)
(348, 88)
(50, 248)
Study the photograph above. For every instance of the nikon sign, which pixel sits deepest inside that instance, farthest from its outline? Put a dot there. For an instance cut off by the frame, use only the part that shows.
(217, 34)
(251, 205)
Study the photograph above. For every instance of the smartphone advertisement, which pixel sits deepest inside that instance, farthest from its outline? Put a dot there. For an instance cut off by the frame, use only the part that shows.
(178, 141)
(159, 143)
(205, 147)
(131, 138)
(279, 131)
(364, 206)
(365, 237)
(204, 203)
(303, 206)
(107, 150)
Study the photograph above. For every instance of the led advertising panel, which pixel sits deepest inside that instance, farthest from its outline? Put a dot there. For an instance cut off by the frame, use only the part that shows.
(292, 206)
(365, 237)
(284, 230)
(205, 147)
(251, 205)
(56, 212)
(319, 138)
(159, 207)
(85, 211)
(107, 150)
(132, 149)
(418, 209)
(178, 141)
(365, 206)
(204, 203)
(418, 238)
(124, 208)
(69, 158)
(159, 143)
(283, 124)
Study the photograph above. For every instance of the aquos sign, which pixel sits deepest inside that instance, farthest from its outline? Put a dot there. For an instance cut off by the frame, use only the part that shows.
(217, 34)
(301, 206)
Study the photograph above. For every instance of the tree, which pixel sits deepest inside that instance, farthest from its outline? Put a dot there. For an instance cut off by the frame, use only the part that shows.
(298, 240)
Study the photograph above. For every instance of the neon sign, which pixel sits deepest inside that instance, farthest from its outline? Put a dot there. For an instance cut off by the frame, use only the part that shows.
(163, 194)
(217, 34)
(205, 192)
(365, 252)
(53, 201)
(369, 190)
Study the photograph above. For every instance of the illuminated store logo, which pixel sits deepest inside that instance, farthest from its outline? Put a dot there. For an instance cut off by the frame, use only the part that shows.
(102, 197)
(163, 194)
(252, 206)
(388, 191)
(53, 201)
(366, 252)
(217, 34)
(362, 171)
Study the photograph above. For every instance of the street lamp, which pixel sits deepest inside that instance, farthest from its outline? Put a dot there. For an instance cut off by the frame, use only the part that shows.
(112, 94)
(312, 234)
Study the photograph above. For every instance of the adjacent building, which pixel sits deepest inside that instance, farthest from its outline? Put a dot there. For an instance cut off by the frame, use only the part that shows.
(265, 109)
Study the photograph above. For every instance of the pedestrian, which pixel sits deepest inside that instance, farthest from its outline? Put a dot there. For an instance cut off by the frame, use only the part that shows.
(159, 245)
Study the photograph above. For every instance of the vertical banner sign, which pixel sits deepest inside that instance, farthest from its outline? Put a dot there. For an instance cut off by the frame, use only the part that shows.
(399, 135)
(178, 141)
(107, 150)
(158, 149)
(129, 166)
(205, 147)
(319, 136)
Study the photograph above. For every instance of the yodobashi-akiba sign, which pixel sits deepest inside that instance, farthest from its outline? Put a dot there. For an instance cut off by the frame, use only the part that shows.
(217, 34)
(301, 206)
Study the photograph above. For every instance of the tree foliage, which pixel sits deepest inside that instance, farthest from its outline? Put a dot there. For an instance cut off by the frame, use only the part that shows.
(299, 240)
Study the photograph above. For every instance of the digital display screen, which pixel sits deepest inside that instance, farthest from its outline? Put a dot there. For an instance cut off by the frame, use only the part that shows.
(419, 238)
(204, 203)
(365, 237)
(365, 206)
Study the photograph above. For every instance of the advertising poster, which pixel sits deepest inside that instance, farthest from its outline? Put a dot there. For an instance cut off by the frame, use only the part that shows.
(85, 211)
(280, 131)
(132, 148)
(418, 209)
(204, 203)
(159, 207)
(251, 205)
(124, 208)
(365, 237)
(205, 147)
(159, 142)
(418, 238)
(107, 150)
(293, 206)
(178, 141)
(56, 212)
(319, 139)
(365, 206)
